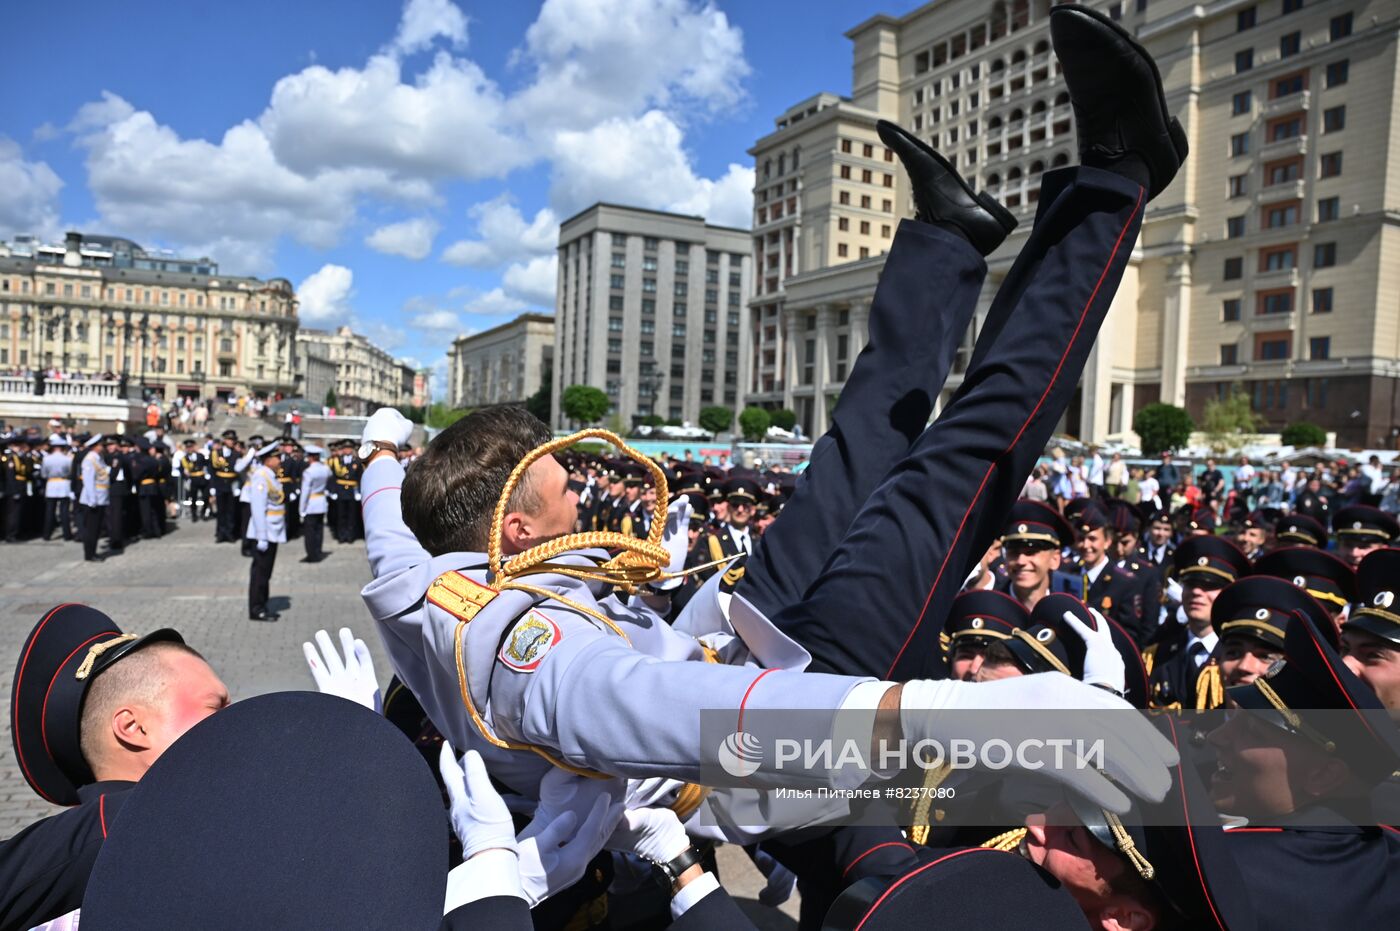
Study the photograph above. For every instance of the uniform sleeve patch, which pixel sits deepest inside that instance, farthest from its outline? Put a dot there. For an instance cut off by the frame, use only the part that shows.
(529, 641)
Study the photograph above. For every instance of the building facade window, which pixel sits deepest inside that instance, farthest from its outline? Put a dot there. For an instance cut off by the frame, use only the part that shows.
(1290, 44)
(1241, 103)
(1320, 348)
(1337, 73)
(1340, 27)
(1230, 310)
(1324, 255)
(1322, 300)
(1234, 227)
(1229, 354)
(1334, 119)
(1328, 209)
(1234, 268)
(1244, 60)
(1330, 165)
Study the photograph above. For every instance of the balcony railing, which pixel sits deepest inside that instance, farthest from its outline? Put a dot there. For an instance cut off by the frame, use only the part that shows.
(14, 386)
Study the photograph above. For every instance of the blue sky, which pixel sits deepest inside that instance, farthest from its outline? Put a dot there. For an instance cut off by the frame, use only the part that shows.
(404, 164)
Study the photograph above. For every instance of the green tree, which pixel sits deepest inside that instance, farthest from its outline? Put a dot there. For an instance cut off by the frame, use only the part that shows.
(440, 416)
(539, 403)
(330, 397)
(584, 404)
(415, 414)
(1303, 433)
(782, 418)
(716, 419)
(1229, 422)
(1161, 427)
(652, 420)
(753, 423)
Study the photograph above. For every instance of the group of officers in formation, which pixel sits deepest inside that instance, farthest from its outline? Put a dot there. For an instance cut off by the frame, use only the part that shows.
(125, 488)
(572, 631)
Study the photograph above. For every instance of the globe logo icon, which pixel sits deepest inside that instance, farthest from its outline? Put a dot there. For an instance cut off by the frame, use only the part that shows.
(740, 754)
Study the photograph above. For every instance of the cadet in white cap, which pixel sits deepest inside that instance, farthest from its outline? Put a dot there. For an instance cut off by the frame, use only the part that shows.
(57, 472)
(314, 504)
(267, 527)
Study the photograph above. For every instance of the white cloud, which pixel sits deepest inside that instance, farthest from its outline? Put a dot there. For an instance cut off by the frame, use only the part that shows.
(28, 193)
(597, 59)
(450, 122)
(232, 200)
(505, 236)
(640, 161)
(325, 296)
(495, 303)
(533, 281)
(440, 321)
(425, 20)
(412, 239)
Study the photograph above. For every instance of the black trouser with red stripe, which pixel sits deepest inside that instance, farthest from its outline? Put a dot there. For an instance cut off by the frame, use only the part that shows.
(922, 307)
(876, 604)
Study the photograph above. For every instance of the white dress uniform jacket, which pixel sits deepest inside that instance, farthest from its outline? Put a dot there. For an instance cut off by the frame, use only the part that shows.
(313, 489)
(268, 518)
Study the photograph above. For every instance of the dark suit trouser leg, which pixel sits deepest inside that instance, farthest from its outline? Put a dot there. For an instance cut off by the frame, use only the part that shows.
(116, 522)
(51, 515)
(908, 550)
(92, 528)
(14, 507)
(227, 526)
(259, 577)
(312, 529)
(925, 299)
(150, 526)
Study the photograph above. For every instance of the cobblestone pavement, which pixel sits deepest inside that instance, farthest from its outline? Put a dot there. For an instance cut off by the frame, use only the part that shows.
(186, 581)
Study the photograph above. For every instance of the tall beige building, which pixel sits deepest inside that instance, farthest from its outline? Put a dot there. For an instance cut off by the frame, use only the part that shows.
(650, 307)
(1272, 261)
(503, 365)
(97, 305)
(367, 377)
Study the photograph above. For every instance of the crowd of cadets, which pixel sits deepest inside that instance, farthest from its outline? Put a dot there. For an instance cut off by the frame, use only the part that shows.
(83, 487)
(1177, 589)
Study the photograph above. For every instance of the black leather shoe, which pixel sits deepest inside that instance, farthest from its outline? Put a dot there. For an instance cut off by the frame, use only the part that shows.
(942, 197)
(265, 616)
(1120, 112)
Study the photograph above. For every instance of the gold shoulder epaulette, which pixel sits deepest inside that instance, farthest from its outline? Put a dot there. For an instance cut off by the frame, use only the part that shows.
(1149, 658)
(1210, 688)
(459, 596)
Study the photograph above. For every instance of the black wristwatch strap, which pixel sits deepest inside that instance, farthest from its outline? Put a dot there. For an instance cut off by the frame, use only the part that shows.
(672, 869)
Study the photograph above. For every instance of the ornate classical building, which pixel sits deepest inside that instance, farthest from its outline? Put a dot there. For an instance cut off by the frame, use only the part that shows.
(100, 305)
(1272, 261)
(367, 377)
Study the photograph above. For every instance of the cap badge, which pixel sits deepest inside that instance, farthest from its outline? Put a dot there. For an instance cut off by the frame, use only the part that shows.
(977, 623)
(1045, 635)
(1021, 528)
(1356, 525)
(1202, 561)
(1299, 581)
(1384, 599)
(1262, 614)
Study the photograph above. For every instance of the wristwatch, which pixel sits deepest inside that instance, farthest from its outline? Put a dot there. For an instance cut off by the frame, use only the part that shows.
(370, 447)
(669, 872)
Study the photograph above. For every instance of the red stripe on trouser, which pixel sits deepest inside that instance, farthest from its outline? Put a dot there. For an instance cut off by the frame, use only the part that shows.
(952, 547)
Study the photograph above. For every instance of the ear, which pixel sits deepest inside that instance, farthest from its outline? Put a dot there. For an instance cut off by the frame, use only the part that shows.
(1055, 560)
(128, 728)
(1125, 914)
(515, 532)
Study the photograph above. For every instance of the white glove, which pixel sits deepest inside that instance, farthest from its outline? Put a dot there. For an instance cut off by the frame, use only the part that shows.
(676, 540)
(576, 815)
(654, 834)
(479, 814)
(262, 546)
(387, 425)
(352, 678)
(1174, 591)
(1103, 664)
(1134, 754)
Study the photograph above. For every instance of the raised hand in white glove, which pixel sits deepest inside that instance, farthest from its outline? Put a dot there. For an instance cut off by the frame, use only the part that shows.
(479, 815)
(262, 546)
(1174, 591)
(1103, 664)
(576, 815)
(676, 540)
(351, 678)
(387, 425)
(654, 834)
(1134, 754)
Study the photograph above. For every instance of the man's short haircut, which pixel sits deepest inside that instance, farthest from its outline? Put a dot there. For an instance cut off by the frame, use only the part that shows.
(137, 678)
(450, 494)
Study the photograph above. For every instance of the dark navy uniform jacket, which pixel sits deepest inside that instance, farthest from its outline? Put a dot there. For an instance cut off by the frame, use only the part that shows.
(1174, 675)
(1117, 594)
(1307, 876)
(44, 869)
